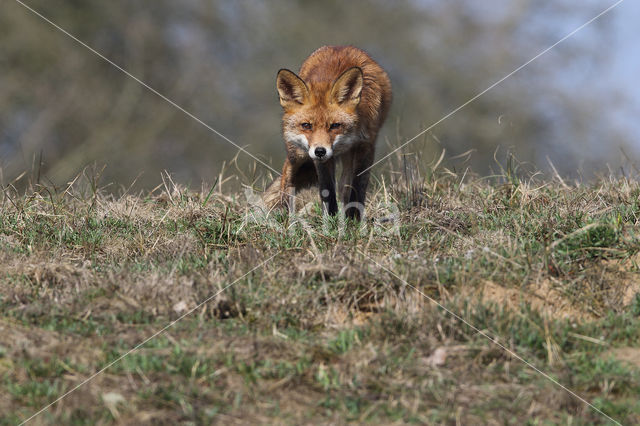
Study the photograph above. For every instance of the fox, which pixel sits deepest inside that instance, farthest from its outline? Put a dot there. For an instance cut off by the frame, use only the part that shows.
(332, 111)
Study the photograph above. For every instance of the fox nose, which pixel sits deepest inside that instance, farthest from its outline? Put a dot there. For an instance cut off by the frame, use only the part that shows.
(320, 152)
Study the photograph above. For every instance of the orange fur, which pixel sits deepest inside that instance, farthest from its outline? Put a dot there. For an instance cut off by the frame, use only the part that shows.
(332, 110)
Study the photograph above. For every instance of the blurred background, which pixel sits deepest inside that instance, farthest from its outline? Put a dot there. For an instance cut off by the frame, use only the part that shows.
(62, 108)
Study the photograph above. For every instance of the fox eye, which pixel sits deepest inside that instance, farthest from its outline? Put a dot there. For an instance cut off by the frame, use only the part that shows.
(306, 126)
(335, 126)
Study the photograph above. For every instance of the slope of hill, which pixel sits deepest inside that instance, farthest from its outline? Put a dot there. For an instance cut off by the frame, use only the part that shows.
(303, 320)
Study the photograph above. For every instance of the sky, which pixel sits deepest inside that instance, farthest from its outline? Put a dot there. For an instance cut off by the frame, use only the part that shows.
(625, 67)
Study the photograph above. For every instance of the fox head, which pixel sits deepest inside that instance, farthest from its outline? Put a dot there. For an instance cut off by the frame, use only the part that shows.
(320, 116)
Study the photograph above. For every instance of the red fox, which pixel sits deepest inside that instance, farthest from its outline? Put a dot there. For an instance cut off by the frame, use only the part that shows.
(332, 111)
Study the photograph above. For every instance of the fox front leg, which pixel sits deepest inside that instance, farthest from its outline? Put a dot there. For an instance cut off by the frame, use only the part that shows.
(355, 193)
(327, 185)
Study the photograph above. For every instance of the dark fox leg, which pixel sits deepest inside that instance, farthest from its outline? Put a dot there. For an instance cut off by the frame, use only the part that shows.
(346, 177)
(355, 193)
(327, 185)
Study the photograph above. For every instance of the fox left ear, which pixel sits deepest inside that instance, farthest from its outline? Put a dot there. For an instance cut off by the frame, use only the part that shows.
(347, 87)
(292, 90)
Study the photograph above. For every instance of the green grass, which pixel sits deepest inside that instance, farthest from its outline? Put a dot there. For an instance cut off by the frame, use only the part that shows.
(323, 334)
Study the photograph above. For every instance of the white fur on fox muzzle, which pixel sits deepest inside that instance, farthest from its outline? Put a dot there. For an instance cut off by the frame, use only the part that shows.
(320, 155)
(297, 139)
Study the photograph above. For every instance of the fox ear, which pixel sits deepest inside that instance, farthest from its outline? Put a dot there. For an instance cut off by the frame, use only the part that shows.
(292, 90)
(347, 87)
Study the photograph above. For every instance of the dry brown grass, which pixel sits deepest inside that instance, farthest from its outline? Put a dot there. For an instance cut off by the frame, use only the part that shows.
(321, 334)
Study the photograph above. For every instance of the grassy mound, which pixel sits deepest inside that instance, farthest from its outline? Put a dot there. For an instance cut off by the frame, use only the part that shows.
(314, 320)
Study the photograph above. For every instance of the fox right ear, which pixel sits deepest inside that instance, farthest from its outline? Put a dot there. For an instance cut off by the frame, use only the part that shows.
(347, 88)
(292, 90)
